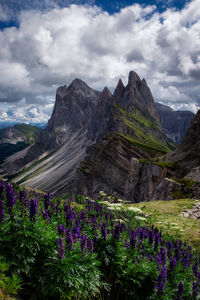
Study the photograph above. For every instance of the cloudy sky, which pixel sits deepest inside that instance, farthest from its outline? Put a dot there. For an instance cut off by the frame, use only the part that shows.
(47, 43)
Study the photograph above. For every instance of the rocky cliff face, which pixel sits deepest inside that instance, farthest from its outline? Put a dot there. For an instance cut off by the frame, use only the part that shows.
(110, 132)
(187, 154)
(112, 165)
(174, 123)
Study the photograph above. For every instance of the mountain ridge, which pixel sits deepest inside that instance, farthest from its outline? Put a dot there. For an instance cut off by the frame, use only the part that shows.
(82, 117)
(174, 123)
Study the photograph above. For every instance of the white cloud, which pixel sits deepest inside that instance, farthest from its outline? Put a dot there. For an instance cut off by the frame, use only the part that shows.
(53, 47)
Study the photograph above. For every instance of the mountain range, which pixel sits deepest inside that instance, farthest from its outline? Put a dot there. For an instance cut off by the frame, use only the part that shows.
(102, 141)
(174, 123)
(16, 138)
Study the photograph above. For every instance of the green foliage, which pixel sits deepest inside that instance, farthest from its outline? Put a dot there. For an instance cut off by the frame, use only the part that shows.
(135, 115)
(29, 132)
(167, 164)
(188, 183)
(163, 164)
(113, 269)
(148, 147)
(143, 129)
(9, 284)
(75, 277)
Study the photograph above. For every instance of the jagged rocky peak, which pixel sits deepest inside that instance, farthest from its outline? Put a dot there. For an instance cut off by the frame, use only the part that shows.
(106, 92)
(61, 91)
(193, 134)
(80, 88)
(133, 80)
(138, 95)
(119, 91)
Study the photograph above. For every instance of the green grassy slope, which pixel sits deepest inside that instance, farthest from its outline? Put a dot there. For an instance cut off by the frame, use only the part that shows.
(144, 131)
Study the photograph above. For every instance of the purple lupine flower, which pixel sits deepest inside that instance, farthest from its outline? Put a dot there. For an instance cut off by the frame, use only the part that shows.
(2, 214)
(158, 260)
(163, 255)
(104, 230)
(195, 289)
(169, 247)
(195, 268)
(68, 214)
(123, 227)
(10, 193)
(157, 241)
(91, 246)
(185, 259)
(143, 254)
(75, 238)
(2, 187)
(150, 257)
(172, 264)
(133, 236)
(117, 231)
(141, 234)
(151, 236)
(22, 196)
(69, 239)
(162, 277)
(47, 198)
(177, 254)
(45, 215)
(33, 209)
(83, 243)
(61, 229)
(61, 248)
(180, 291)
(77, 230)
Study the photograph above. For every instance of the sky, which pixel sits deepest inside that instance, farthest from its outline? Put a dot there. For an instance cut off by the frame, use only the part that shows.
(48, 43)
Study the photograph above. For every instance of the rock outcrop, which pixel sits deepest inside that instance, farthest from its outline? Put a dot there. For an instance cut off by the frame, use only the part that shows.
(108, 132)
(113, 165)
(187, 154)
(174, 123)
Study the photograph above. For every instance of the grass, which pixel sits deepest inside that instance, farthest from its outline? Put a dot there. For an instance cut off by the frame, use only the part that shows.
(142, 128)
(145, 146)
(163, 164)
(189, 183)
(165, 216)
(137, 116)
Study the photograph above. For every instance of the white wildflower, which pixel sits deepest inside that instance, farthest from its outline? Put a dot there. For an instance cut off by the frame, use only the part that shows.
(114, 207)
(115, 204)
(105, 202)
(134, 209)
(120, 200)
(140, 218)
(119, 220)
(102, 193)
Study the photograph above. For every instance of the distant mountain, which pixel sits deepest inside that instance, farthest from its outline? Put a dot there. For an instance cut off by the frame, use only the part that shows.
(174, 123)
(187, 154)
(6, 124)
(16, 138)
(99, 128)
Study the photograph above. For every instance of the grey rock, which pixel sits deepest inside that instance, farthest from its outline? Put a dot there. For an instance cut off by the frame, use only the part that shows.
(165, 189)
(89, 126)
(174, 123)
